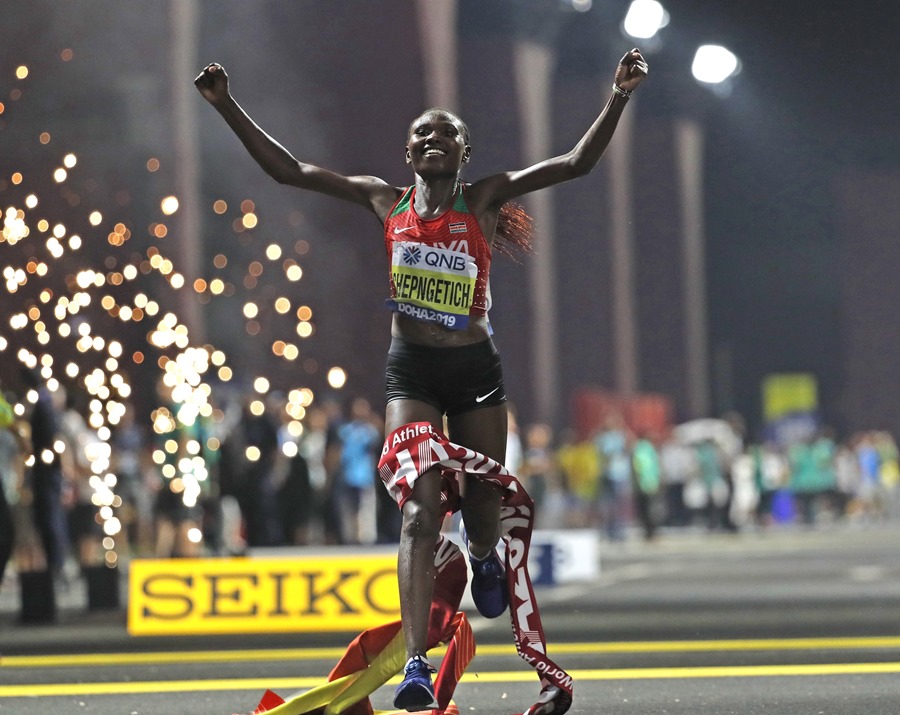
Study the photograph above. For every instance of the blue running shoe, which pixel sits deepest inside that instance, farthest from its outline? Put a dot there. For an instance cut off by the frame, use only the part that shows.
(416, 691)
(488, 582)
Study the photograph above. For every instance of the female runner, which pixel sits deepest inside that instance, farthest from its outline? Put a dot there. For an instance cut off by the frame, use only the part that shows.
(439, 235)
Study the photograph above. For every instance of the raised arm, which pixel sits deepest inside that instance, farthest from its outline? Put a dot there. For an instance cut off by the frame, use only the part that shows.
(368, 191)
(583, 157)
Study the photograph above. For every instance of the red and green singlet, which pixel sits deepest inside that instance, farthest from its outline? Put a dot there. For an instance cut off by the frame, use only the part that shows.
(439, 266)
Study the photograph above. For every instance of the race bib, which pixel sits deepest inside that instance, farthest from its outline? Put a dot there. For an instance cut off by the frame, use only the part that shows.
(433, 284)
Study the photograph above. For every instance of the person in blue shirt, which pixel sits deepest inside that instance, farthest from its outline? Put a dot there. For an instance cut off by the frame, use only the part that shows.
(360, 444)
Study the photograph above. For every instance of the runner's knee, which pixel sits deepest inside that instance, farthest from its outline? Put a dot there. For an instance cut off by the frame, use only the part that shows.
(420, 521)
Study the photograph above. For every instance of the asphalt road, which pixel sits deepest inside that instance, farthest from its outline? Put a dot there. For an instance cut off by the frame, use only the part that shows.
(784, 623)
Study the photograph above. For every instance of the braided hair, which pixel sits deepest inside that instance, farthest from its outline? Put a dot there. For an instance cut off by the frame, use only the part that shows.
(515, 230)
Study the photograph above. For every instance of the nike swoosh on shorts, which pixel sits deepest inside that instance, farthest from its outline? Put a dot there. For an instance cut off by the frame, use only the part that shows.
(482, 398)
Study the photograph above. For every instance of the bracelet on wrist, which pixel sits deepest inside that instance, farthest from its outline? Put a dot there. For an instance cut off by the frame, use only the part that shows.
(621, 92)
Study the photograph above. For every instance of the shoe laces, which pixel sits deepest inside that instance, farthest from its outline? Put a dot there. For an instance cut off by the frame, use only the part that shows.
(418, 663)
(489, 566)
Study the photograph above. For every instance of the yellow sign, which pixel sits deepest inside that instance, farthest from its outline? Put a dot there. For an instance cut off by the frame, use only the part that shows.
(249, 595)
(787, 393)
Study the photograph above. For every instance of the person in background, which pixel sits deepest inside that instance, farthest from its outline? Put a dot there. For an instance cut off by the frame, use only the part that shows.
(613, 443)
(812, 474)
(770, 474)
(85, 530)
(259, 426)
(580, 467)
(361, 437)
(10, 461)
(713, 472)
(539, 472)
(847, 479)
(679, 467)
(130, 464)
(49, 491)
(646, 474)
(176, 512)
(515, 453)
(319, 521)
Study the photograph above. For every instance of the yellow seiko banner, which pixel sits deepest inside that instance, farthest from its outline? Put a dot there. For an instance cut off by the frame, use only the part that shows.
(261, 595)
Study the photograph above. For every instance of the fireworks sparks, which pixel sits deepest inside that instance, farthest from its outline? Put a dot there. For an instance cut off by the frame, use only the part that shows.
(79, 315)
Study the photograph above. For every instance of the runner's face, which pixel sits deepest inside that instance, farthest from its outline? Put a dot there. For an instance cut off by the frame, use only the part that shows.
(437, 145)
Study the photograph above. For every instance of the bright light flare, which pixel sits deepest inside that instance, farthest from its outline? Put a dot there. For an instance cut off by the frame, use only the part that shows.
(337, 377)
(644, 19)
(713, 64)
(169, 205)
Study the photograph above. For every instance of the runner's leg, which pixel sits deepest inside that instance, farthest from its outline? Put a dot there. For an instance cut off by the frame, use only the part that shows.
(483, 430)
(419, 532)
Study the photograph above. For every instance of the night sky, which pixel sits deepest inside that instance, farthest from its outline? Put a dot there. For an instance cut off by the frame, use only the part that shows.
(815, 102)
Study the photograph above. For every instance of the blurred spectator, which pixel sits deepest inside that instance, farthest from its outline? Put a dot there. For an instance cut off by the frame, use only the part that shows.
(129, 464)
(538, 462)
(579, 465)
(771, 473)
(646, 473)
(276, 405)
(613, 445)
(870, 474)
(361, 439)
(177, 515)
(320, 449)
(48, 488)
(679, 466)
(287, 466)
(812, 474)
(85, 529)
(713, 479)
(741, 496)
(229, 472)
(9, 482)
(294, 499)
(540, 476)
(296, 502)
(257, 495)
(889, 474)
(514, 450)
(848, 479)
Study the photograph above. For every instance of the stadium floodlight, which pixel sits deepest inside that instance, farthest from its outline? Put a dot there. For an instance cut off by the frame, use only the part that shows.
(644, 19)
(713, 64)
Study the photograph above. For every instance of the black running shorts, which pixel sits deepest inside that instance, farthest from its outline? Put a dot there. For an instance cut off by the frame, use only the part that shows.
(454, 380)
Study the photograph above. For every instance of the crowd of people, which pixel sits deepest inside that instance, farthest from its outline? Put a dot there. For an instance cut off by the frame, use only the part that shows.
(265, 483)
(703, 474)
(269, 486)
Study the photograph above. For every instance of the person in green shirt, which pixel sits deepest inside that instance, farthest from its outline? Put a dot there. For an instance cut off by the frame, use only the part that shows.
(646, 472)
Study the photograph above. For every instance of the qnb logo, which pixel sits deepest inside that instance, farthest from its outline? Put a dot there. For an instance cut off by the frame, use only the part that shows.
(412, 255)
